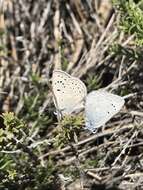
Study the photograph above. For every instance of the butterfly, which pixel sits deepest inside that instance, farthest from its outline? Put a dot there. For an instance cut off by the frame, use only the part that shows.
(71, 95)
(100, 107)
(69, 92)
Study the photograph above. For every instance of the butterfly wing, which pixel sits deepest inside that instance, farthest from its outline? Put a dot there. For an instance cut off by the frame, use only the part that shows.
(69, 92)
(100, 107)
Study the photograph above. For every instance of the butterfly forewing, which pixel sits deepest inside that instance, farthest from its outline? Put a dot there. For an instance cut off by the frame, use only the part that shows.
(69, 92)
(100, 107)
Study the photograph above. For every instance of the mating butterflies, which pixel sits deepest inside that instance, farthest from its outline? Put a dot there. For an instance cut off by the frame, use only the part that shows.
(71, 95)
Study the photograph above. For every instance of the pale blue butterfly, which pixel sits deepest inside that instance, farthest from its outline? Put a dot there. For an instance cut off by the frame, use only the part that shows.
(100, 107)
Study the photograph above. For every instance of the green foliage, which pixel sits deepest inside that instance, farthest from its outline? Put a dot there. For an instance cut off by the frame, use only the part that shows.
(11, 122)
(33, 101)
(92, 82)
(31, 109)
(25, 175)
(7, 169)
(3, 49)
(91, 163)
(64, 60)
(69, 127)
(2, 32)
(130, 53)
(35, 79)
(70, 172)
(125, 91)
(31, 106)
(42, 177)
(131, 21)
(19, 165)
(11, 129)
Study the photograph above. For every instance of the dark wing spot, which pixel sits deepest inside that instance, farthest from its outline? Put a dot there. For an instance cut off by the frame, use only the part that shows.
(58, 90)
(108, 112)
(114, 106)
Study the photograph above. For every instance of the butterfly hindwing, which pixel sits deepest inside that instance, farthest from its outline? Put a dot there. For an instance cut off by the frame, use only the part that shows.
(100, 107)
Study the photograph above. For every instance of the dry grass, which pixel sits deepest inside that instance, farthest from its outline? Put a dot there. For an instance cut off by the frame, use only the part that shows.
(83, 39)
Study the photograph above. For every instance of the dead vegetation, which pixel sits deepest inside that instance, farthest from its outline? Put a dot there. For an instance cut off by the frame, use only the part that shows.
(85, 39)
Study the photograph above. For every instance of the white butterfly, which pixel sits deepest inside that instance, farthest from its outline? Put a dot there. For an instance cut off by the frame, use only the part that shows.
(70, 94)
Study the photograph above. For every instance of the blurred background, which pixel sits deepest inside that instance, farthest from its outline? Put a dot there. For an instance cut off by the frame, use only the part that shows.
(98, 41)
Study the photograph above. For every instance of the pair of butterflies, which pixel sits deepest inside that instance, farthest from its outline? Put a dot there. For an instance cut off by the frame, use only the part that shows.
(71, 95)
